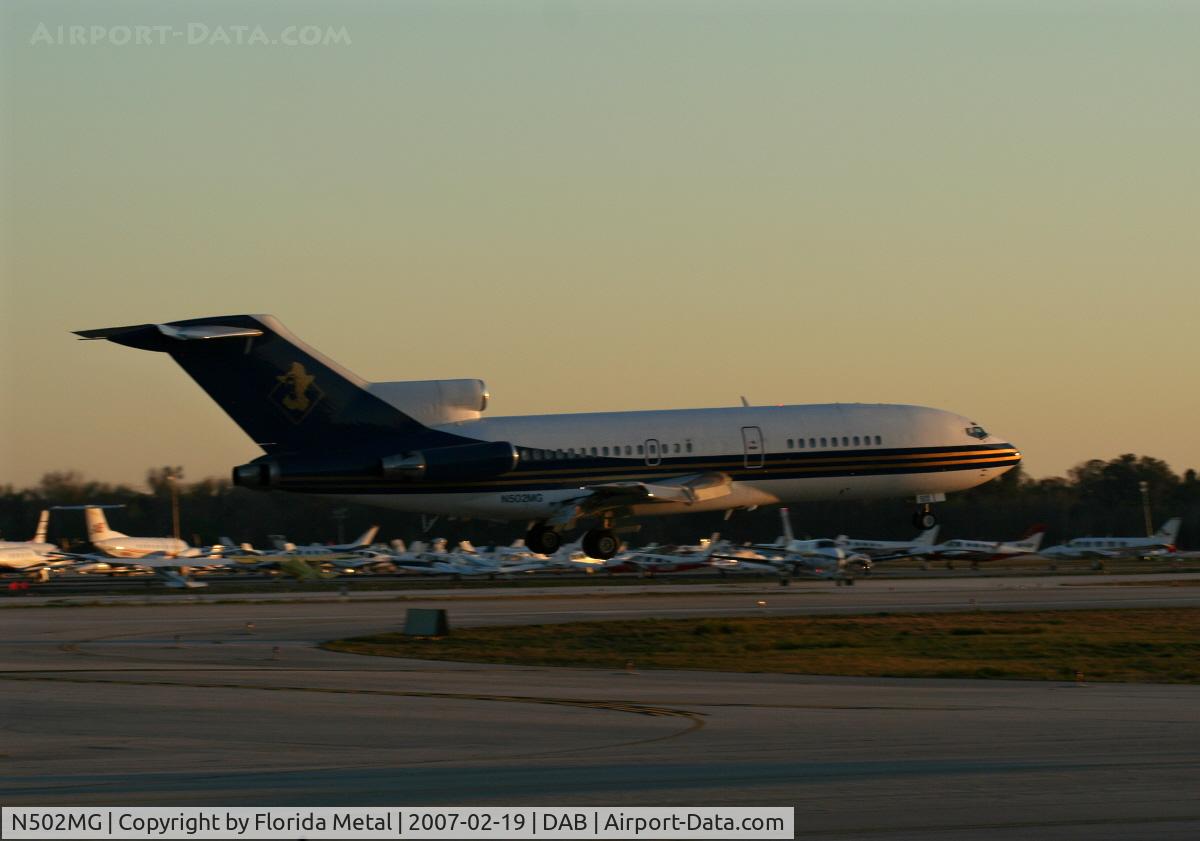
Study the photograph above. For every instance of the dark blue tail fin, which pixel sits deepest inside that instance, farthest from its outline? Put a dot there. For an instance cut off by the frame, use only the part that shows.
(285, 395)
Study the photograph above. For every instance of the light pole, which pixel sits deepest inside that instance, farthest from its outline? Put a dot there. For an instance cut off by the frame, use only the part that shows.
(1144, 487)
(339, 515)
(173, 477)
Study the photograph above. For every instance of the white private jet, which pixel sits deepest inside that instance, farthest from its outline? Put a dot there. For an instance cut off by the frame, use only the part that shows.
(167, 557)
(34, 555)
(882, 550)
(820, 555)
(321, 551)
(649, 563)
(38, 541)
(426, 446)
(978, 551)
(1100, 548)
(115, 544)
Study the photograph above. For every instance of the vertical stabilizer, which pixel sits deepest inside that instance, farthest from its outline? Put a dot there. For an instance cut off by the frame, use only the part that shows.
(1031, 544)
(366, 538)
(788, 536)
(43, 526)
(927, 537)
(1170, 531)
(714, 545)
(97, 525)
(283, 393)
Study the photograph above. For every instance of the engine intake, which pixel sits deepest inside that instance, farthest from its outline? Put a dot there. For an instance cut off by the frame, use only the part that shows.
(263, 474)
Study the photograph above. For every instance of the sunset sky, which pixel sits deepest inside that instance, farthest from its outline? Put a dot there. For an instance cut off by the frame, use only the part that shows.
(988, 207)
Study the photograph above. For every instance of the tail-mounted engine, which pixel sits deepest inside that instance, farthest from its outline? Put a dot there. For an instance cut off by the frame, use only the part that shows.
(314, 472)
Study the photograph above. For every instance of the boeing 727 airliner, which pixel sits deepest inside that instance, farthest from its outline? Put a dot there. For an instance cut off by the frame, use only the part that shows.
(426, 447)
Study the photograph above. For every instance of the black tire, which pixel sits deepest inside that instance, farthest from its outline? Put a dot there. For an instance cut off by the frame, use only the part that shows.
(924, 520)
(601, 544)
(542, 540)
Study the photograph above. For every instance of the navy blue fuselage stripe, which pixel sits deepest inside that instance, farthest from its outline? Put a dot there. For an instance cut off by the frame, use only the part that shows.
(772, 471)
(771, 460)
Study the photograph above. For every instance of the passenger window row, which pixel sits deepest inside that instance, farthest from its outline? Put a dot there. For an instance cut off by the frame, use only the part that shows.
(832, 441)
(651, 448)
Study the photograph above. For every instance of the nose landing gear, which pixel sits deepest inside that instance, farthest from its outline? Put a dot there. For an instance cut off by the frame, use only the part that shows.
(923, 518)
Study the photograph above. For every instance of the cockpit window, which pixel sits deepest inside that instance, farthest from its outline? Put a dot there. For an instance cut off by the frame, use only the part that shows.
(977, 432)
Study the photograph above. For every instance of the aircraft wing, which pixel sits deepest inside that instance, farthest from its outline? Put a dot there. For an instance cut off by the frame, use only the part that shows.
(727, 563)
(155, 561)
(354, 562)
(688, 489)
(164, 567)
(61, 558)
(80, 558)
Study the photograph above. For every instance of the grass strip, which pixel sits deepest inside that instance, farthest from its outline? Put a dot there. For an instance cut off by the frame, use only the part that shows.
(1159, 645)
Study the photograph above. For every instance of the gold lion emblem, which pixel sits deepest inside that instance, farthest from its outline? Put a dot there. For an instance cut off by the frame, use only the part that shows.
(296, 392)
(299, 380)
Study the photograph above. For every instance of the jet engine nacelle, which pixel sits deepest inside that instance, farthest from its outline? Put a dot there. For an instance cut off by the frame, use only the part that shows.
(282, 471)
(462, 462)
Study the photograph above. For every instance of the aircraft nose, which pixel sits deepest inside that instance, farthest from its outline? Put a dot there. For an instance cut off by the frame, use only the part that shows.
(1013, 456)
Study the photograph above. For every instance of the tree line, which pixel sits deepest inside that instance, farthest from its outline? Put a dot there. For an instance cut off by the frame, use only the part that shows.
(1096, 498)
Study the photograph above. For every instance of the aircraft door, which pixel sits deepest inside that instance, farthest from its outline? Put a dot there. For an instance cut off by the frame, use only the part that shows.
(753, 441)
(653, 449)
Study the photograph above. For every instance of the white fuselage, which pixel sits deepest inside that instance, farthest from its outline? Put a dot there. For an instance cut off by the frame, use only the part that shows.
(775, 454)
(32, 545)
(22, 556)
(972, 549)
(124, 546)
(1094, 547)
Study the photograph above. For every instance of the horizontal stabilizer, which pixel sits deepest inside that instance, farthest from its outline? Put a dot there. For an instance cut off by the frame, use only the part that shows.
(142, 335)
(86, 507)
(285, 395)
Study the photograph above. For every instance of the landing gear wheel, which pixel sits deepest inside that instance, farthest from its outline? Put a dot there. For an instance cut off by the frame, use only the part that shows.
(924, 520)
(601, 544)
(542, 540)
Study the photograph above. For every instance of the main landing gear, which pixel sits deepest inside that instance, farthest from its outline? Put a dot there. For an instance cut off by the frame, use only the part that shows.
(601, 544)
(543, 540)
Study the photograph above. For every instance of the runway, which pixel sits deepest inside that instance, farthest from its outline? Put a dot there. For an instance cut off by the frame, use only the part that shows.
(231, 703)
